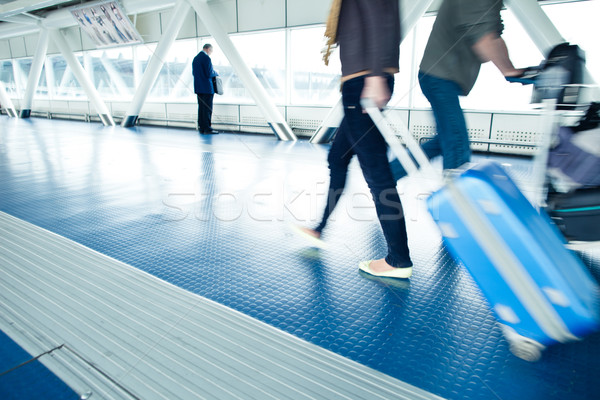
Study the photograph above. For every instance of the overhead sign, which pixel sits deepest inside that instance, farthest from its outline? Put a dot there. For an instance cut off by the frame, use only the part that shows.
(106, 24)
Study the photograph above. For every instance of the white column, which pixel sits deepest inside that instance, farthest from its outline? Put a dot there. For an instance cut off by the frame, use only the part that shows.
(536, 23)
(35, 73)
(82, 77)
(544, 34)
(6, 101)
(330, 124)
(411, 12)
(156, 62)
(251, 82)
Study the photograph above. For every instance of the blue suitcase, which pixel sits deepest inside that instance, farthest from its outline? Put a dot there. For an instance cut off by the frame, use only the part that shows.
(541, 293)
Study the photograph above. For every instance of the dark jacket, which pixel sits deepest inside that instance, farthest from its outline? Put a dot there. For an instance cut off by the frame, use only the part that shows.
(203, 72)
(368, 36)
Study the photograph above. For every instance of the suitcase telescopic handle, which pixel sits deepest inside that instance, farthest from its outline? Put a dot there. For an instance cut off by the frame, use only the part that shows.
(389, 134)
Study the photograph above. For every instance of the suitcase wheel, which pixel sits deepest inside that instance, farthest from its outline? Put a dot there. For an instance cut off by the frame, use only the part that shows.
(527, 349)
(522, 347)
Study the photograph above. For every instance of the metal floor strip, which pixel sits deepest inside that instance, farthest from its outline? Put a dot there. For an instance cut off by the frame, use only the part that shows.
(128, 334)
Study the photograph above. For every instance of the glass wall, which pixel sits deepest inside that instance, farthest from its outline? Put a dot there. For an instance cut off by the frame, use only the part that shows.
(578, 24)
(288, 64)
(112, 72)
(7, 76)
(312, 82)
(175, 80)
(265, 54)
(21, 69)
(62, 82)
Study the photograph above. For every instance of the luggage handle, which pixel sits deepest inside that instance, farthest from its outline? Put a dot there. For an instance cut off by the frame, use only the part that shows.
(396, 147)
(540, 159)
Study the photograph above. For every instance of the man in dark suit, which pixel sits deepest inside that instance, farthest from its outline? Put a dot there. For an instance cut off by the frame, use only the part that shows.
(203, 72)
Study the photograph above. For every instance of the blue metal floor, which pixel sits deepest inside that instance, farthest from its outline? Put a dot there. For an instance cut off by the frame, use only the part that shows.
(211, 214)
(22, 377)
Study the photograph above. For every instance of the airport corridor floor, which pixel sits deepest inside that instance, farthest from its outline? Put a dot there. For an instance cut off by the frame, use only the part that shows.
(212, 215)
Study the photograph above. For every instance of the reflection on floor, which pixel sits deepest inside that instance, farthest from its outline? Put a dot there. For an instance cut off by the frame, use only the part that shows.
(211, 215)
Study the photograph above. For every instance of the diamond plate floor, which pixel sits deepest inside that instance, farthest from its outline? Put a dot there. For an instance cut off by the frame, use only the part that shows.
(211, 215)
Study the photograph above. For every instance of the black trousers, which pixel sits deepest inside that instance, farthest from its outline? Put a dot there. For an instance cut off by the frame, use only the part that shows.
(205, 106)
(359, 136)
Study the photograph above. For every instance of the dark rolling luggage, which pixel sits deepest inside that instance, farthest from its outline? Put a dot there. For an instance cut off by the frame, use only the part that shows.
(577, 213)
(560, 76)
(574, 173)
(571, 155)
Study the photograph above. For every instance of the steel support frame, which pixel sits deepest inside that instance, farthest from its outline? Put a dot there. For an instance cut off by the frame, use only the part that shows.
(34, 74)
(266, 105)
(180, 11)
(82, 77)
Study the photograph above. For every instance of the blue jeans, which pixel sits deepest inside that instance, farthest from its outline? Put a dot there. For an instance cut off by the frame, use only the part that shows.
(358, 135)
(452, 139)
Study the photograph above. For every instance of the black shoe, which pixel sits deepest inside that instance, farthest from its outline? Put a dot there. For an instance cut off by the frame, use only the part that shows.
(211, 132)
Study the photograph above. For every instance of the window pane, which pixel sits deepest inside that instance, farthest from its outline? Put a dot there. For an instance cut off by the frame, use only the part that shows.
(406, 83)
(112, 72)
(142, 54)
(42, 87)
(312, 81)
(65, 85)
(265, 54)
(7, 76)
(577, 22)
(422, 31)
(175, 81)
(21, 68)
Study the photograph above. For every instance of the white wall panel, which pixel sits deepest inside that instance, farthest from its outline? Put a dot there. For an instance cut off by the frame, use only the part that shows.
(182, 111)
(304, 121)
(31, 44)
(251, 115)
(59, 107)
(516, 128)
(86, 41)
(73, 38)
(398, 119)
(260, 14)
(478, 126)
(4, 49)
(38, 105)
(148, 25)
(153, 111)
(188, 29)
(305, 12)
(79, 107)
(422, 123)
(224, 115)
(226, 13)
(17, 47)
(118, 108)
(52, 48)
